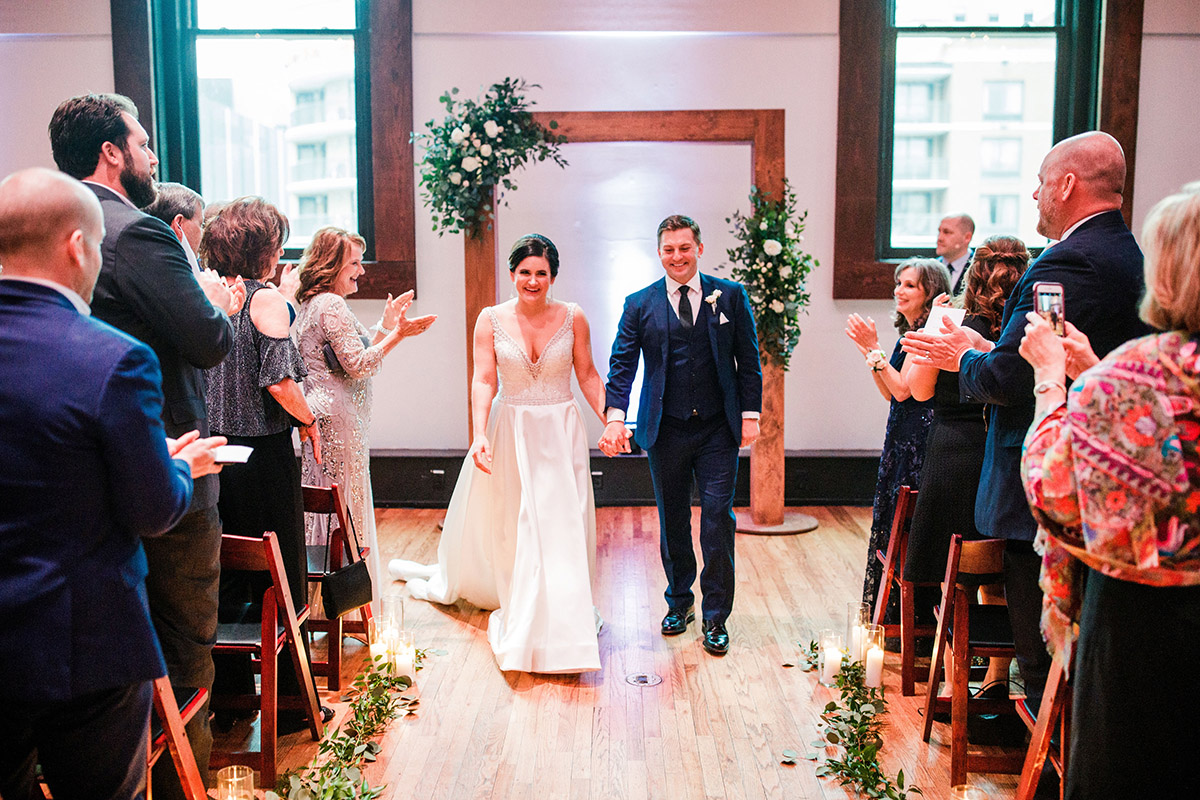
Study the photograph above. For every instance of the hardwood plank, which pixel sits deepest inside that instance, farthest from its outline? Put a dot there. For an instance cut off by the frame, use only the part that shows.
(713, 728)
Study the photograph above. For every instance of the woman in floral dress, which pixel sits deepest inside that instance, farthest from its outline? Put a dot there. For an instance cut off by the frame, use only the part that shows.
(1113, 475)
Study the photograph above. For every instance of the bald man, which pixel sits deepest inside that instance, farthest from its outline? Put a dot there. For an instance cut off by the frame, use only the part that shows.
(86, 472)
(1100, 267)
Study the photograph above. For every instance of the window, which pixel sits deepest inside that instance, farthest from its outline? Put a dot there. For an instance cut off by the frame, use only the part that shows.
(1000, 214)
(1003, 99)
(274, 109)
(973, 90)
(885, 45)
(1000, 157)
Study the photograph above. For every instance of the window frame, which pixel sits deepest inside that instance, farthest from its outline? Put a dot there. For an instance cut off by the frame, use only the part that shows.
(148, 67)
(867, 74)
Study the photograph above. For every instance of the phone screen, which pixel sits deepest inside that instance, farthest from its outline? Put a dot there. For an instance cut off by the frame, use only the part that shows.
(1048, 302)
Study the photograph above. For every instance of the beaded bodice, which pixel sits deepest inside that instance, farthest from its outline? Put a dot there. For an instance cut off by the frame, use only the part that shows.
(533, 383)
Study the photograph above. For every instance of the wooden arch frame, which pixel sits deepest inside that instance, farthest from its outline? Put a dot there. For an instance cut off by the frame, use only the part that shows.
(763, 130)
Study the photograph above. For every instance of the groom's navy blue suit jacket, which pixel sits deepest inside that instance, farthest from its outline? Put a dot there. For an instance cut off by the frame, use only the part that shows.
(644, 331)
(1100, 268)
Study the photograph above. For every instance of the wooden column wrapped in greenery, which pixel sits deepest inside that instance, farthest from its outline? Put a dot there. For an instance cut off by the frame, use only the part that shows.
(774, 268)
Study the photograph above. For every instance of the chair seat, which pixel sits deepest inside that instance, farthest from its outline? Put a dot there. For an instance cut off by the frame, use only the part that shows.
(243, 636)
(187, 709)
(989, 626)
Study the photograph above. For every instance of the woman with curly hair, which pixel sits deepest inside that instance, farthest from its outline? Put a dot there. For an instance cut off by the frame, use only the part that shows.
(954, 451)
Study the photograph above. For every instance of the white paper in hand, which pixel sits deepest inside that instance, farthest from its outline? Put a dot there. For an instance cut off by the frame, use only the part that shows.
(232, 454)
(938, 313)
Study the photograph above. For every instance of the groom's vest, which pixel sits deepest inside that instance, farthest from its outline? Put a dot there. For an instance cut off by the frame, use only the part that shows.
(692, 386)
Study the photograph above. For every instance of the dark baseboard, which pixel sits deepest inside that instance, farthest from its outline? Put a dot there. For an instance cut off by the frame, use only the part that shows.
(426, 478)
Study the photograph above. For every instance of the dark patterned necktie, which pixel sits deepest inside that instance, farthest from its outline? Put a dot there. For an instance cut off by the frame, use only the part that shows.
(685, 308)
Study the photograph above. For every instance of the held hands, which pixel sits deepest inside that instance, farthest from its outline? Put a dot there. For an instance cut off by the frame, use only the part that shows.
(393, 316)
(615, 438)
(481, 453)
(196, 452)
(862, 332)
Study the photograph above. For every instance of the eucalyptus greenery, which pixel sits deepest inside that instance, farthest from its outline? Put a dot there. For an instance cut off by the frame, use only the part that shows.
(475, 149)
(336, 773)
(852, 727)
(770, 263)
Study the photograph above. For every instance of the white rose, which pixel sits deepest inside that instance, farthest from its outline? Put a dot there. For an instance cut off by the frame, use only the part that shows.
(756, 298)
(762, 226)
(485, 150)
(466, 184)
(455, 178)
(777, 306)
(772, 248)
(785, 271)
(456, 136)
(475, 141)
(491, 128)
(470, 164)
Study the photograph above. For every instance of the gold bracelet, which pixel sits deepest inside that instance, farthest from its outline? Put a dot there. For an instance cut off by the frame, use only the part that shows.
(1046, 386)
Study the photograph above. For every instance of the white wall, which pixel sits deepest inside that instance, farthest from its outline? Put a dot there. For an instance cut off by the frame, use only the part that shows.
(766, 54)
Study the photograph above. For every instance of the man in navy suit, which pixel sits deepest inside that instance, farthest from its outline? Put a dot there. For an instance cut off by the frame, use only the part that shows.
(86, 471)
(147, 289)
(1100, 267)
(700, 401)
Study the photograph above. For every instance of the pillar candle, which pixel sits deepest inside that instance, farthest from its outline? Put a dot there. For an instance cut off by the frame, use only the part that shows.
(832, 665)
(874, 672)
(406, 663)
(856, 642)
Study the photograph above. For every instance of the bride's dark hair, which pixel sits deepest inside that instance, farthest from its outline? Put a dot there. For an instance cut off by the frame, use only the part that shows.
(533, 245)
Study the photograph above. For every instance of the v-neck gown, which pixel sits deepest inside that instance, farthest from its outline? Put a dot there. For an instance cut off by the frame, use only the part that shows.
(522, 540)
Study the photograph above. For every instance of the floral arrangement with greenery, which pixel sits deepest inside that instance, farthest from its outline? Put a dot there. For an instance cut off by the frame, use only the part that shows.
(336, 773)
(475, 149)
(770, 263)
(851, 731)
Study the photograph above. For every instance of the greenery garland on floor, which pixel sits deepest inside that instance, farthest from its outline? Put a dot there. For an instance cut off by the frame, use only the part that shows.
(852, 728)
(336, 773)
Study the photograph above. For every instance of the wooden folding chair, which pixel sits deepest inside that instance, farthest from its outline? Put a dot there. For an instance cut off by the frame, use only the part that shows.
(279, 628)
(1054, 716)
(967, 630)
(893, 575)
(343, 542)
(167, 734)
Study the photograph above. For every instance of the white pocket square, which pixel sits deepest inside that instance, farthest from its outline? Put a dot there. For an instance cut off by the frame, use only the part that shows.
(723, 319)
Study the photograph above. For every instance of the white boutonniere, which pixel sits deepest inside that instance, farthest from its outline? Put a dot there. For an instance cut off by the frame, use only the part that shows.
(712, 299)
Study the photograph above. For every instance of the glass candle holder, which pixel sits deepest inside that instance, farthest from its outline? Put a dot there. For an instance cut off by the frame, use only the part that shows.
(967, 791)
(858, 615)
(829, 656)
(391, 612)
(404, 656)
(235, 782)
(872, 648)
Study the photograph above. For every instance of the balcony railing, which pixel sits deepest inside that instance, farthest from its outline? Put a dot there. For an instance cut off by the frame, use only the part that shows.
(309, 170)
(308, 113)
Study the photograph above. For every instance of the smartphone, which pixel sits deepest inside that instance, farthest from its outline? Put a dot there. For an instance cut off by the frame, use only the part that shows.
(1048, 303)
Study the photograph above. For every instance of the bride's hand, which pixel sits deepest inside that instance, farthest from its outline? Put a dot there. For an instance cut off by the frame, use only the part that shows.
(481, 454)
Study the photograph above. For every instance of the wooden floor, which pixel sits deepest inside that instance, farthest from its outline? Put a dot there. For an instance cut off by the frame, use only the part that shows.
(714, 727)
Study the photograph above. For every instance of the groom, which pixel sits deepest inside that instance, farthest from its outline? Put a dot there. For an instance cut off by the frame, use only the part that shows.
(701, 397)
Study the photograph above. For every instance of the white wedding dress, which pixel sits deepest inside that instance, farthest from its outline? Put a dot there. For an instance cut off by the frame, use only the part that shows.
(522, 540)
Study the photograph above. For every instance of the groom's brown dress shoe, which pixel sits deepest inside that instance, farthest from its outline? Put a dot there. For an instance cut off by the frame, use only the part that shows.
(676, 620)
(716, 639)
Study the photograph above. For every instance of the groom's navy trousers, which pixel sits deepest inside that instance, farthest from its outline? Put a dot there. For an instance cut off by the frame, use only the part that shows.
(697, 384)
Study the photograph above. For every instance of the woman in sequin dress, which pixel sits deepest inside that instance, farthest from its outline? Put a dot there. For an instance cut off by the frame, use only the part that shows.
(918, 282)
(340, 395)
(520, 532)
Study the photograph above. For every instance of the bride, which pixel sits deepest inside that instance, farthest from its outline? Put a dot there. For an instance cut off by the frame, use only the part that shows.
(520, 532)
